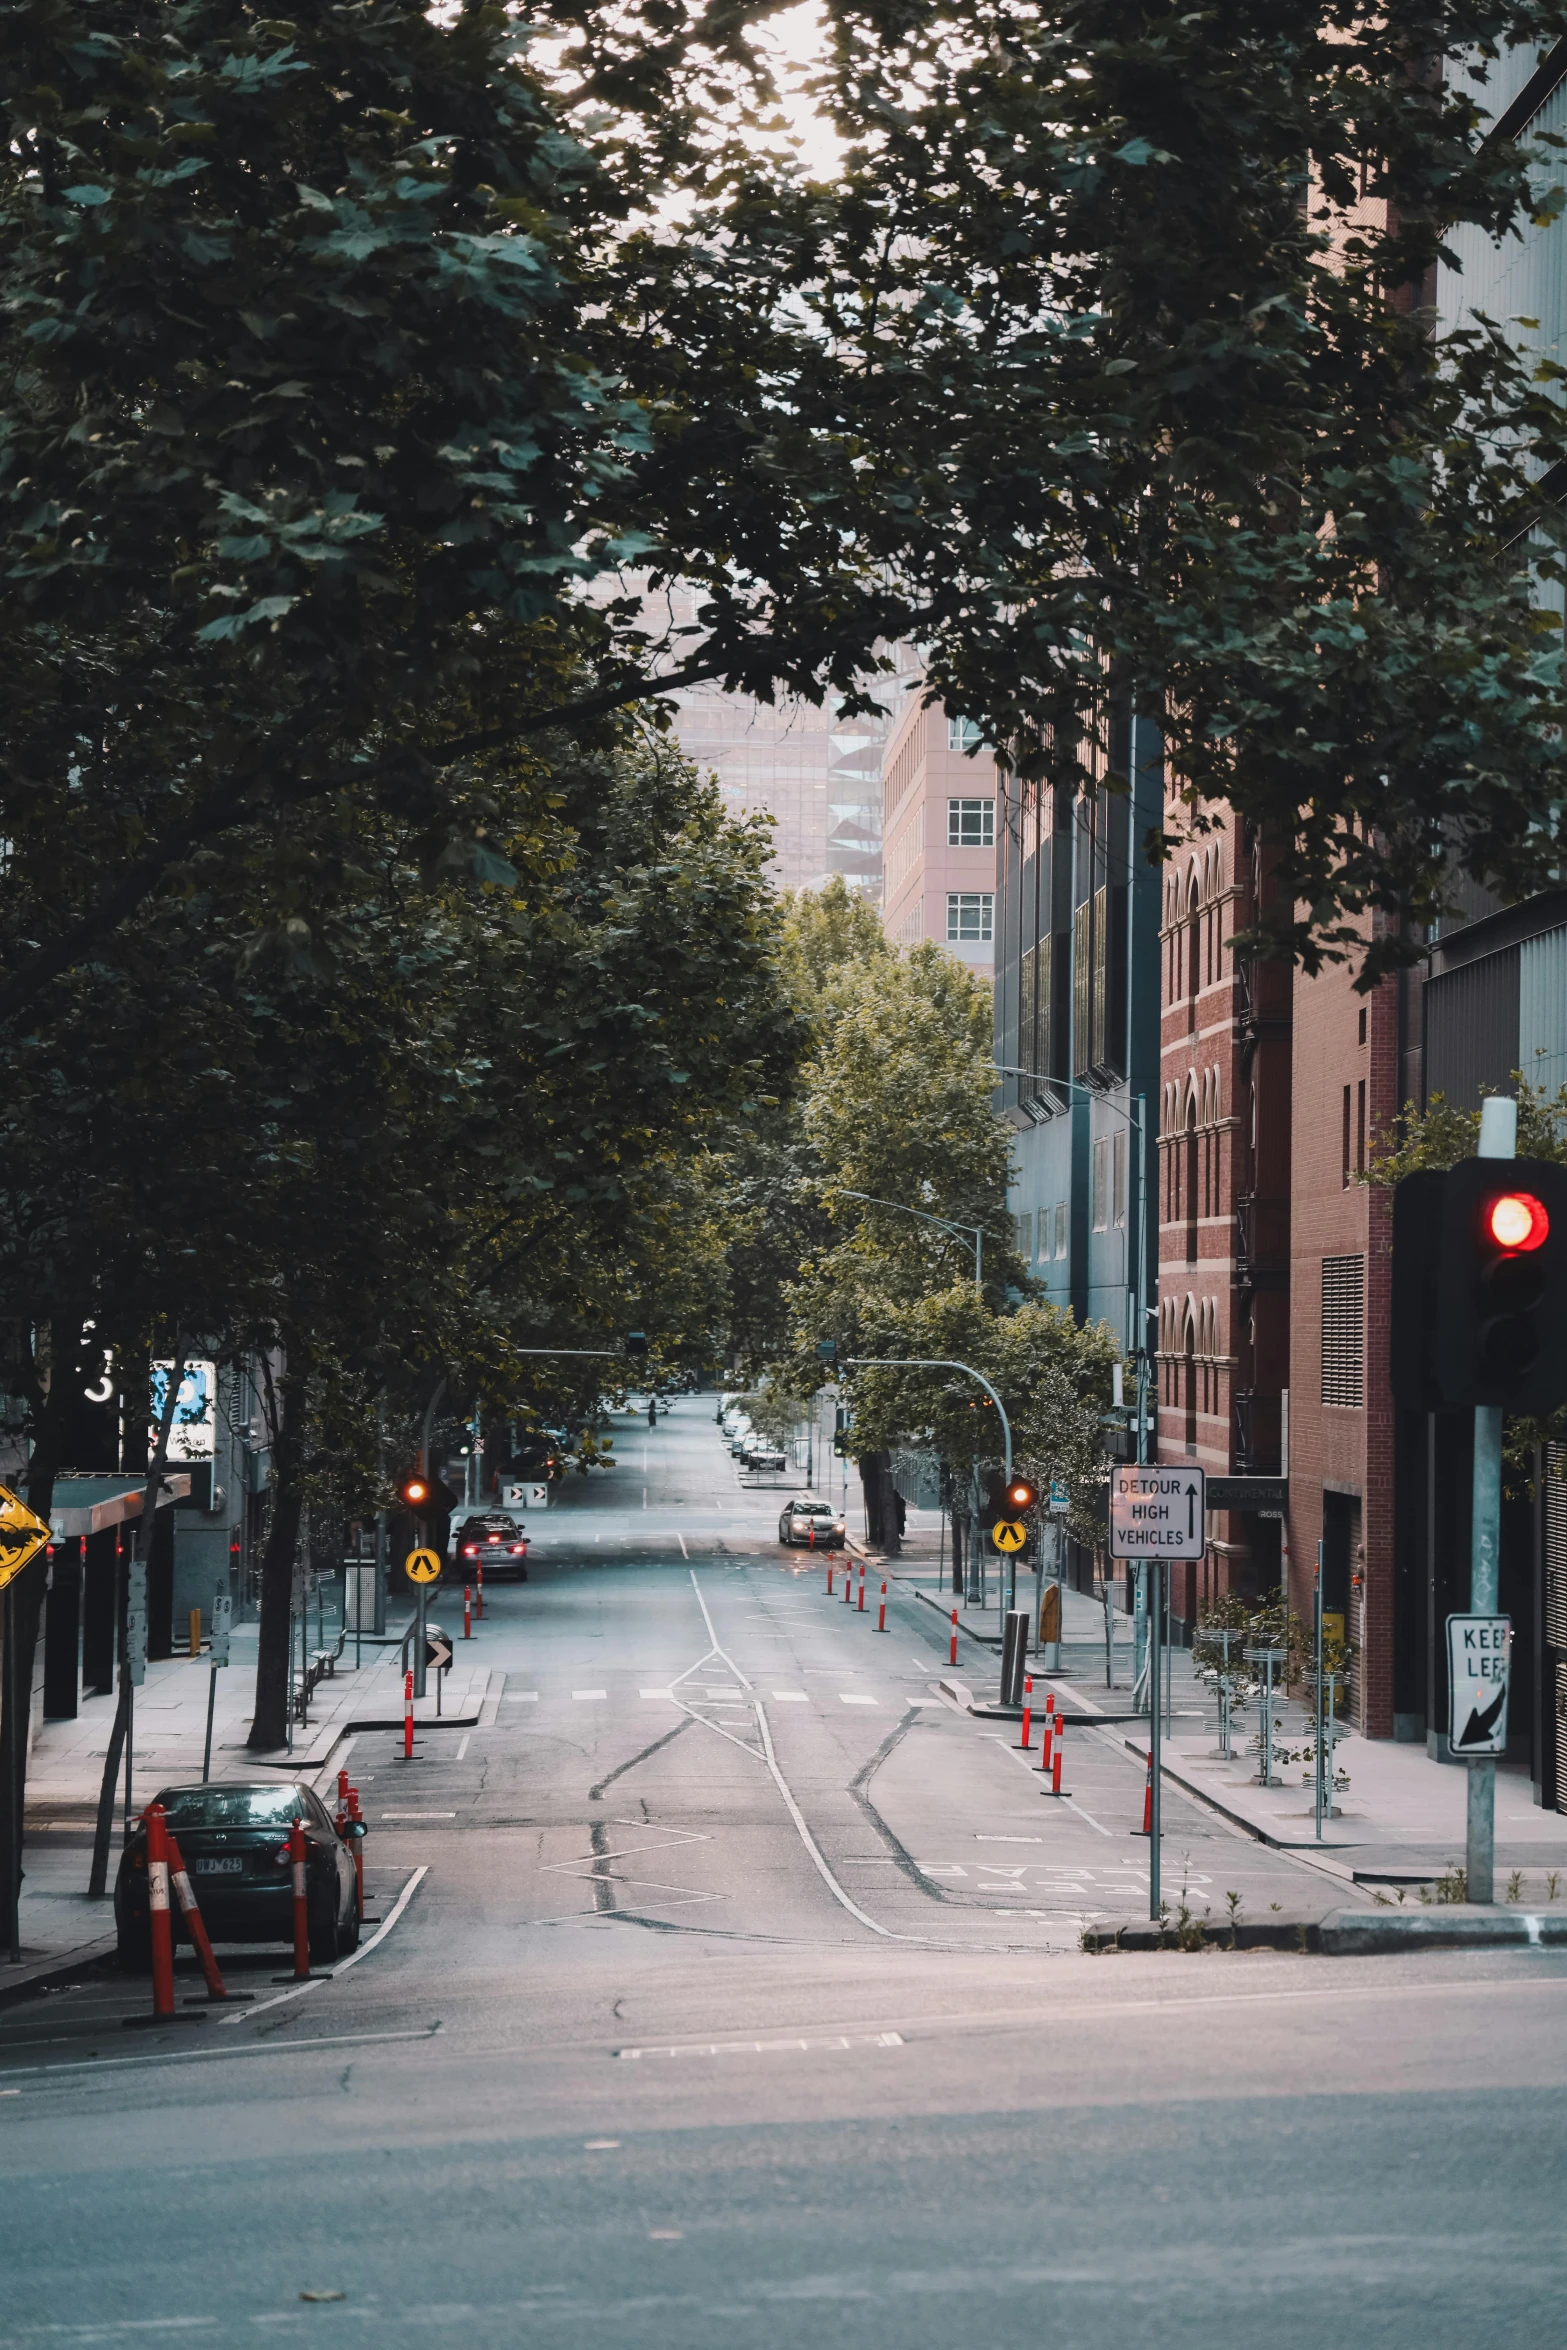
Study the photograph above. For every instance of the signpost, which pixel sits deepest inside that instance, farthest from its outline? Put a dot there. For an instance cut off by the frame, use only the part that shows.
(422, 1568)
(437, 1656)
(1156, 1513)
(218, 1656)
(22, 1537)
(1007, 1534)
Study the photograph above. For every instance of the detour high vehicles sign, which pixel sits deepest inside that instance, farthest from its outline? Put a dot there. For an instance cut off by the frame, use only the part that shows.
(1156, 1512)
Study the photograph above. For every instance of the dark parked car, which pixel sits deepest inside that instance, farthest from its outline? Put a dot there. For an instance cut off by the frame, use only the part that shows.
(494, 1541)
(233, 1839)
(813, 1521)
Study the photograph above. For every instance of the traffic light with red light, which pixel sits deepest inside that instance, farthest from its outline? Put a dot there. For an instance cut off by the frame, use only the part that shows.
(415, 1493)
(1021, 1496)
(1480, 1287)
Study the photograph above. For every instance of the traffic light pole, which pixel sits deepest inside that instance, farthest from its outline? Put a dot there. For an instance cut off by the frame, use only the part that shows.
(1498, 1140)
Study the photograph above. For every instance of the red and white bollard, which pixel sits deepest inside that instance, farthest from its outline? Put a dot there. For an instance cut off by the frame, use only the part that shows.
(342, 1790)
(408, 1717)
(953, 1657)
(862, 1587)
(848, 1583)
(158, 1918)
(1148, 1797)
(467, 1611)
(829, 1574)
(356, 1815)
(1055, 1767)
(1047, 1743)
(1027, 1739)
(194, 1921)
(478, 1576)
(881, 1613)
(810, 1537)
(296, 1871)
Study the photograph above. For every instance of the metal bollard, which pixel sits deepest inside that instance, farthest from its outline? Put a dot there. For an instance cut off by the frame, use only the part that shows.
(467, 1611)
(1027, 1739)
(296, 1870)
(408, 1717)
(953, 1657)
(881, 1616)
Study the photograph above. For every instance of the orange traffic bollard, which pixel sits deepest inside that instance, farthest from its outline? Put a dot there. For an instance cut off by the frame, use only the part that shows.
(829, 1574)
(408, 1717)
(1055, 1767)
(467, 1611)
(881, 1614)
(862, 1587)
(1027, 1739)
(1147, 1828)
(478, 1576)
(191, 1910)
(296, 1869)
(158, 1918)
(953, 1658)
(1047, 1743)
(848, 1583)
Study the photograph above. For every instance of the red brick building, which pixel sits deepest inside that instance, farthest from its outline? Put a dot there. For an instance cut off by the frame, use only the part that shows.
(1224, 1153)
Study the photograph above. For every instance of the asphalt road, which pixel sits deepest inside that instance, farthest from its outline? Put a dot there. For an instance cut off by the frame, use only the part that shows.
(741, 2001)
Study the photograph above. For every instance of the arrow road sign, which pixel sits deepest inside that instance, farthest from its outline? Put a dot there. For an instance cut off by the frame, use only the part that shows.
(422, 1566)
(1479, 1652)
(437, 1648)
(1157, 1512)
(22, 1536)
(1008, 1534)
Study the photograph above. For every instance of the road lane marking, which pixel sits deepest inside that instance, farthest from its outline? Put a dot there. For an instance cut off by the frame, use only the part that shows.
(590, 1696)
(522, 1697)
(418, 1815)
(666, 1695)
(104, 2064)
(680, 1538)
(766, 2047)
(855, 1697)
(463, 1747)
(791, 1697)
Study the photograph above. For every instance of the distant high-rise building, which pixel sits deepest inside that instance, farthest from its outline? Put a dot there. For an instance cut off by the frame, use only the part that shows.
(939, 832)
(818, 776)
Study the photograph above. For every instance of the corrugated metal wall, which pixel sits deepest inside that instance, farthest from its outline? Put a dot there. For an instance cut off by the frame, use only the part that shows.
(1471, 1028)
(1542, 1009)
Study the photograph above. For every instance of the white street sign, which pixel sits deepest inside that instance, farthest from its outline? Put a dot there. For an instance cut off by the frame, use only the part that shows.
(222, 1625)
(538, 1497)
(1479, 1651)
(1157, 1512)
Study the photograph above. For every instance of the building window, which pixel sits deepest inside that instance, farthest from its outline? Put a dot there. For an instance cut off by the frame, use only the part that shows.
(1344, 1331)
(1344, 1156)
(1360, 1127)
(1025, 1237)
(962, 734)
(1118, 1182)
(1101, 1184)
(971, 824)
(970, 913)
(1060, 1227)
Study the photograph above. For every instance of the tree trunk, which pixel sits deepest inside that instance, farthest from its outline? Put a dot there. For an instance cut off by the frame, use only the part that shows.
(891, 1511)
(870, 1481)
(269, 1727)
(957, 1552)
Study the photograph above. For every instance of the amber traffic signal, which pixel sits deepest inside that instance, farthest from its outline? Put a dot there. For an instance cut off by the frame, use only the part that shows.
(1021, 1496)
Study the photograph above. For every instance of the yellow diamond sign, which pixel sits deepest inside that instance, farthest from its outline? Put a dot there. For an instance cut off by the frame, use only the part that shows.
(22, 1536)
(1008, 1534)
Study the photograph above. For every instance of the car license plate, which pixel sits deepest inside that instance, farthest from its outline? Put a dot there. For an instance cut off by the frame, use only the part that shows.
(230, 1865)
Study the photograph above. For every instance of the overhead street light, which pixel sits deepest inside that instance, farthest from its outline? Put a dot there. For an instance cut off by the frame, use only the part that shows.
(975, 1232)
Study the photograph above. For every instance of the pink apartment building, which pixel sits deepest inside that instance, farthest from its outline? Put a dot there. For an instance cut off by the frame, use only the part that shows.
(939, 835)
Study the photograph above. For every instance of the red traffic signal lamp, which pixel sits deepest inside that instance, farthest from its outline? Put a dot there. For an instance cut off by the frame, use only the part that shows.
(1480, 1287)
(415, 1493)
(1020, 1496)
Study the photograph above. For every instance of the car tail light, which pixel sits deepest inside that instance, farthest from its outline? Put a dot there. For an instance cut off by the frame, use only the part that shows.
(519, 1550)
(282, 1856)
(492, 1538)
(470, 1550)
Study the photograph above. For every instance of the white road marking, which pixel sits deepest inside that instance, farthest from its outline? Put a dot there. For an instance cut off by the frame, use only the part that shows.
(1008, 1839)
(590, 1696)
(101, 2064)
(680, 1538)
(665, 1695)
(791, 1697)
(855, 1697)
(767, 2047)
(522, 1697)
(462, 1747)
(418, 1815)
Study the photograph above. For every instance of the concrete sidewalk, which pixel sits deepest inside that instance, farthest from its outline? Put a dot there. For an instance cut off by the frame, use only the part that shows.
(63, 1931)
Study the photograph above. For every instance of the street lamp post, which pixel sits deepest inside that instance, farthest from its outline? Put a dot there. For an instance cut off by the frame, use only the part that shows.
(974, 1232)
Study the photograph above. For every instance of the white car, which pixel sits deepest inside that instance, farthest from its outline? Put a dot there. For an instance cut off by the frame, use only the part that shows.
(810, 1520)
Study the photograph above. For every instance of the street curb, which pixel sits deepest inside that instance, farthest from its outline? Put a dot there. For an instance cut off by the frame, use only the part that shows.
(45, 1974)
(1361, 1933)
(980, 1639)
(1294, 1935)
(1317, 1856)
